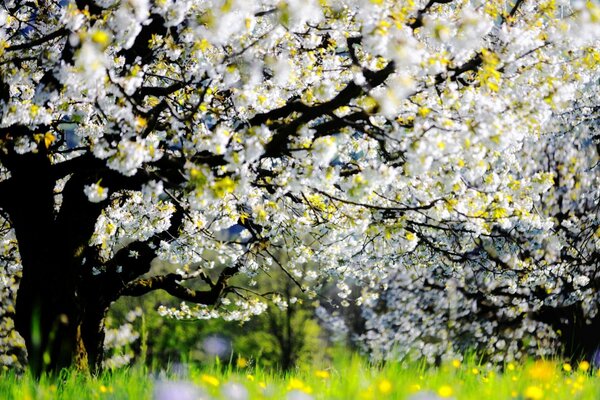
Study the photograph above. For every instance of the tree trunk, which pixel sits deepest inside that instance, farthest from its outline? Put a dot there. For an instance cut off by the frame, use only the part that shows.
(578, 334)
(59, 329)
(58, 313)
(46, 322)
(90, 334)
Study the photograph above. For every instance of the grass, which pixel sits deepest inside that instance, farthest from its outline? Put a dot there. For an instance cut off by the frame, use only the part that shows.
(348, 377)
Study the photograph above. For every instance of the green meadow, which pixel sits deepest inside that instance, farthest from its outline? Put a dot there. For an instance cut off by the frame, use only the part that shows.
(347, 377)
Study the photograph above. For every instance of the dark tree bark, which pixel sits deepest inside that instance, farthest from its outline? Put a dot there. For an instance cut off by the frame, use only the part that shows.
(50, 309)
(578, 334)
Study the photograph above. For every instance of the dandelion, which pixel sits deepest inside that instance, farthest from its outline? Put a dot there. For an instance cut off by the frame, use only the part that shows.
(567, 367)
(584, 366)
(445, 391)
(209, 380)
(384, 386)
(241, 362)
(104, 389)
(542, 370)
(322, 374)
(456, 363)
(534, 393)
(415, 387)
(297, 384)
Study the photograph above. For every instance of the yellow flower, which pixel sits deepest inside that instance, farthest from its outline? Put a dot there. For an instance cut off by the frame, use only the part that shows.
(414, 388)
(250, 377)
(566, 367)
(209, 380)
(385, 386)
(103, 389)
(241, 362)
(445, 391)
(534, 393)
(456, 363)
(510, 367)
(542, 370)
(322, 374)
(475, 371)
(297, 384)
(584, 366)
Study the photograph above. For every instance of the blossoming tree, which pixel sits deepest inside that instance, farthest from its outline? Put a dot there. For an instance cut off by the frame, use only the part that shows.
(363, 137)
(518, 292)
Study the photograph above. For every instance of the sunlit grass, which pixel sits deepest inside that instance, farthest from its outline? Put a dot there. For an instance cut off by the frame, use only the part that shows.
(348, 377)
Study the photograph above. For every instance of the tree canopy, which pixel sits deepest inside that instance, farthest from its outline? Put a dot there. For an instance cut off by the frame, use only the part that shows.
(438, 148)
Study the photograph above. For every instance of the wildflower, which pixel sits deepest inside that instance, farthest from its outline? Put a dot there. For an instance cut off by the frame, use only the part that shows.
(456, 363)
(241, 362)
(542, 370)
(567, 367)
(322, 374)
(584, 366)
(384, 386)
(209, 380)
(445, 391)
(103, 389)
(475, 371)
(534, 393)
(250, 377)
(415, 387)
(297, 384)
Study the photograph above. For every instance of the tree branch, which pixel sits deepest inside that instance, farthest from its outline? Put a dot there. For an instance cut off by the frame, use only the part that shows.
(39, 41)
(418, 21)
(169, 283)
(280, 140)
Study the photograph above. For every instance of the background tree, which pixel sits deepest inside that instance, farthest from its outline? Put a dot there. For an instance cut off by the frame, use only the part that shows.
(357, 135)
(523, 292)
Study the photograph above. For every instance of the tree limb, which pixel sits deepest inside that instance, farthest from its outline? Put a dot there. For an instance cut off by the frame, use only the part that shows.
(37, 42)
